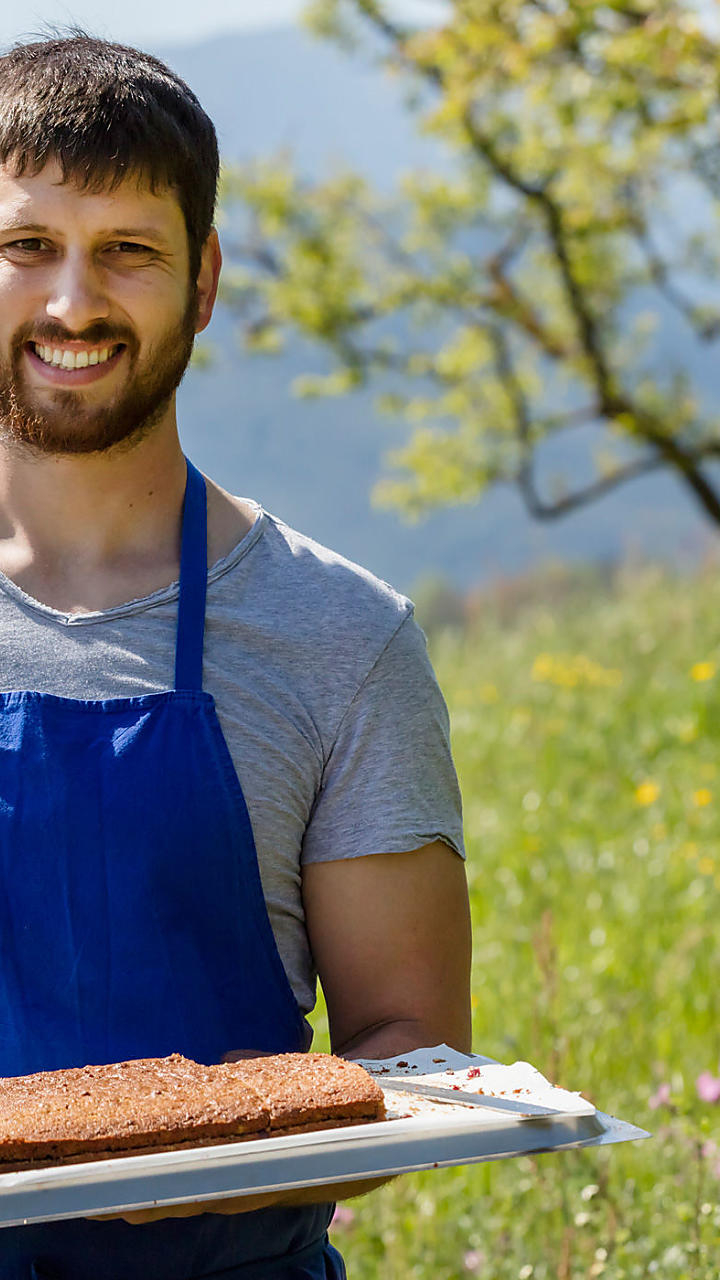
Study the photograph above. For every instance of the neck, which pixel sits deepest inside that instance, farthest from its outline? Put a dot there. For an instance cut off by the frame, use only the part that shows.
(110, 518)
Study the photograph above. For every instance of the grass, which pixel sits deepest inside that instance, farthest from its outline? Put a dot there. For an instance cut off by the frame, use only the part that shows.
(586, 736)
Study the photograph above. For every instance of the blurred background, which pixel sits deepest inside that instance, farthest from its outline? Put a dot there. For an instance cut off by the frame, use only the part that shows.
(469, 337)
(275, 90)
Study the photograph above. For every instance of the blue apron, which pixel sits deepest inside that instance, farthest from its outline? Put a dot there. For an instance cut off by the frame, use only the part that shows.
(133, 925)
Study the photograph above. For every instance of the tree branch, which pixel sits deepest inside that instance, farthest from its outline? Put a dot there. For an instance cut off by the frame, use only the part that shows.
(612, 403)
(583, 497)
(642, 466)
(509, 301)
(660, 275)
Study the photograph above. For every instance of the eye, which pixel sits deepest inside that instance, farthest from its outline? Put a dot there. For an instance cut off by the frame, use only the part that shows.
(131, 248)
(29, 245)
(21, 252)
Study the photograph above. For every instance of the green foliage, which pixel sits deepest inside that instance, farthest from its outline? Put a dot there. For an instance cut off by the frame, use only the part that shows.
(204, 355)
(439, 606)
(324, 18)
(586, 728)
(495, 301)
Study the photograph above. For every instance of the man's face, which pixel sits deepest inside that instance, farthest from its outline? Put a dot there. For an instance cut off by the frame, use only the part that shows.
(97, 311)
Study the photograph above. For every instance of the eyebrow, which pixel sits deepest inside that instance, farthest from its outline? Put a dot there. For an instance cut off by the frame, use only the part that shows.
(137, 233)
(22, 226)
(147, 233)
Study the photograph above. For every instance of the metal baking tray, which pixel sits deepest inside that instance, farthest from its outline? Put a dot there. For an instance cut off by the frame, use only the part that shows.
(419, 1135)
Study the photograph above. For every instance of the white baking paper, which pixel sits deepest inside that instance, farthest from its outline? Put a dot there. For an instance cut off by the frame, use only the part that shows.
(444, 1067)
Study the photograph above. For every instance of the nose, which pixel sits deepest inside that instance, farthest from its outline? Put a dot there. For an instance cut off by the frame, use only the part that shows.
(77, 297)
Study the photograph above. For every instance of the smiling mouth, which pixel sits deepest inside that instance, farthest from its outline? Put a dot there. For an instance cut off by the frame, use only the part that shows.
(60, 357)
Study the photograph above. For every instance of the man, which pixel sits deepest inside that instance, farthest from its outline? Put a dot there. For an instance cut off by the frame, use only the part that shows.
(213, 785)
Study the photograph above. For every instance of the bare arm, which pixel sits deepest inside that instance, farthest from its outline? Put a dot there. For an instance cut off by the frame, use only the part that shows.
(391, 939)
(390, 934)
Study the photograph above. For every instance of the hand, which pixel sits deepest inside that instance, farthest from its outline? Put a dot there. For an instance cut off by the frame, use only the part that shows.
(234, 1204)
(237, 1055)
(248, 1204)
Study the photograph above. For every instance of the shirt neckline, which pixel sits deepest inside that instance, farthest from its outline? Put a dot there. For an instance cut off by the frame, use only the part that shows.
(162, 596)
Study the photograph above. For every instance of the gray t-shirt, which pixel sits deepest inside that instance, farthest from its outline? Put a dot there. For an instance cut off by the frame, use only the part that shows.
(323, 688)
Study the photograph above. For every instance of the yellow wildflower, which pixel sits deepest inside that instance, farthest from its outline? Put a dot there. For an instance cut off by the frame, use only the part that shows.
(568, 670)
(647, 793)
(489, 694)
(703, 671)
(706, 866)
(542, 667)
(702, 797)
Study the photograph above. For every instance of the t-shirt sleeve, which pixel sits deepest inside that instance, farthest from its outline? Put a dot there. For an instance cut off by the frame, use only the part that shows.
(389, 784)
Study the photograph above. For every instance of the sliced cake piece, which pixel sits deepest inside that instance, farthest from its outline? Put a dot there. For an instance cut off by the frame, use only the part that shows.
(310, 1090)
(126, 1106)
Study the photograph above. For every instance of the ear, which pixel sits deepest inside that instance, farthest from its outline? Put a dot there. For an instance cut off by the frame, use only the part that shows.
(207, 281)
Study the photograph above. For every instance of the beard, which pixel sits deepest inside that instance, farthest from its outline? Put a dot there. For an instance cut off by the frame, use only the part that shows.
(66, 425)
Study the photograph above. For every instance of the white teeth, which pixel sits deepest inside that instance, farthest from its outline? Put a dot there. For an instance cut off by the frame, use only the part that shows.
(59, 358)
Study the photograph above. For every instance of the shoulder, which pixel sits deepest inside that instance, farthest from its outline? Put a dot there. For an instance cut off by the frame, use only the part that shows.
(323, 584)
(306, 625)
(323, 597)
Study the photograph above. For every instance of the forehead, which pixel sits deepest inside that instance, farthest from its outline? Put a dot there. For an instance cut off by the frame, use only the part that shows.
(46, 199)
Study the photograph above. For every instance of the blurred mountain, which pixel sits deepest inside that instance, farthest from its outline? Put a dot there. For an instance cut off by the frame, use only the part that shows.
(282, 89)
(314, 462)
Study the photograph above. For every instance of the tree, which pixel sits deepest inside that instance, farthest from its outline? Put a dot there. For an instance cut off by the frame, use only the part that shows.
(508, 299)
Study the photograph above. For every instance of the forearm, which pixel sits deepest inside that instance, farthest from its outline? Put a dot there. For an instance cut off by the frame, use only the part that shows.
(385, 1040)
(396, 1036)
(381, 1041)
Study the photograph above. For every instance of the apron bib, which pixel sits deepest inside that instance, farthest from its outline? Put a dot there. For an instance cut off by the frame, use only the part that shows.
(132, 925)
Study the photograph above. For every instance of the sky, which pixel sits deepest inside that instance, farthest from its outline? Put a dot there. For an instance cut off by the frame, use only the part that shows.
(167, 22)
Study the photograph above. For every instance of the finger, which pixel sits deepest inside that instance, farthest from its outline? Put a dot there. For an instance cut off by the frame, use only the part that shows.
(237, 1055)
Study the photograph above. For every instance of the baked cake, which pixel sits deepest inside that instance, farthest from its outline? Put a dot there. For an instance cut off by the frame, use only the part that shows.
(155, 1104)
(307, 1090)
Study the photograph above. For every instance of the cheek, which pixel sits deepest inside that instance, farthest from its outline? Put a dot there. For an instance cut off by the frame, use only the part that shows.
(23, 297)
(13, 287)
(153, 307)
(19, 308)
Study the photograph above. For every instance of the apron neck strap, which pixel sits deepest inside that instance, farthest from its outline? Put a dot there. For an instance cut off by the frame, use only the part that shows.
(193, 584)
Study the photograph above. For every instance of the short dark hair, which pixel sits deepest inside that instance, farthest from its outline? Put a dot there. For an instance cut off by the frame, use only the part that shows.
(106, 112)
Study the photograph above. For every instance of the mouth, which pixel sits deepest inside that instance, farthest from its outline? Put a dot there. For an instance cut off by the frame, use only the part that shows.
(74, 364)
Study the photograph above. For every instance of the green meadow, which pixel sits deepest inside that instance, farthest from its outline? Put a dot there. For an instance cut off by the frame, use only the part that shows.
(586, 722)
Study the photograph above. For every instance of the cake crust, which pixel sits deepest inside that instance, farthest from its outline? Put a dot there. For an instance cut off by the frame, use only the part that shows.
(304, 1088)
(164, 1104)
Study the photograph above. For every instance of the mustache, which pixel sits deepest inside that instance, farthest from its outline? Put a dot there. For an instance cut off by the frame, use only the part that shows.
(49, 334)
